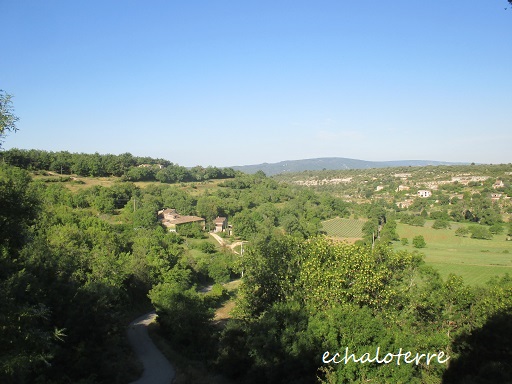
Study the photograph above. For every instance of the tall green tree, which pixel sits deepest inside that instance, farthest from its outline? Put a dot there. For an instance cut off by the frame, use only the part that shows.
(7, 117)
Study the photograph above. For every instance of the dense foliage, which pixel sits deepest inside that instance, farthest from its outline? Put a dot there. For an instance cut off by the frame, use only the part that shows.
(302, 298)
(62, 288)
(73, 264)
(75, 259)
(131, 168)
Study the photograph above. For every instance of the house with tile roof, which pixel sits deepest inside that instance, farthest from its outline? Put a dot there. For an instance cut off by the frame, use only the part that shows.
(171, 219)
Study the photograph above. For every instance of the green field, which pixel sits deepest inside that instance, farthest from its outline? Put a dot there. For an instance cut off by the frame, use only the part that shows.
(475, 260)
(344, 228)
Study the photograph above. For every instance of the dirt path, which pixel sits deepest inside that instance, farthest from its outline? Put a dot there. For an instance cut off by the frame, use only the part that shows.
(219, 239)
(157, 369)
(236, 243)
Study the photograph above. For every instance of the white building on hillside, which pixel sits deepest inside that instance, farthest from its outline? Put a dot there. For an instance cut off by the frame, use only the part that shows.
(424, 193)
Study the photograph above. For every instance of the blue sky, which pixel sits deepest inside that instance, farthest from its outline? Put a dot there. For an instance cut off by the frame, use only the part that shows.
(243, 82)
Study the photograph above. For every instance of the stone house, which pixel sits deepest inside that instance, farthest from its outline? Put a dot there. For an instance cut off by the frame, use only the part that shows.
(171, 219)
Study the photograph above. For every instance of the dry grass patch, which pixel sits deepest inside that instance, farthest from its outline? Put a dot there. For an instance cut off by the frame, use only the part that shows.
(223, 313)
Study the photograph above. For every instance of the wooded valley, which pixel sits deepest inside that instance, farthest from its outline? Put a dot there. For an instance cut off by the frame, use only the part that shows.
(82, 256)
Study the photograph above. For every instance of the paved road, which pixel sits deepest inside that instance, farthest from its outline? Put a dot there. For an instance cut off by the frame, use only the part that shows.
(157, 369)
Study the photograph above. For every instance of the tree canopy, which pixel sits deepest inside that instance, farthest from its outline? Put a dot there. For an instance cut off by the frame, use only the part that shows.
(7, 117)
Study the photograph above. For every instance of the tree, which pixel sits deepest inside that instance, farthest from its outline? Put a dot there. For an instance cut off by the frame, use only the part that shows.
(418, 221)
(496, 229)
(388, 232)
(207, 247)
(208, 207)
(462, 231)
(18, 206)
(480, 232)
(441, 224)
(419, 242)
(182, 312)
(7, 118)
(193, 230)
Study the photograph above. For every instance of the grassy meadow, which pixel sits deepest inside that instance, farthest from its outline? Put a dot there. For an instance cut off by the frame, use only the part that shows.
(475, 260)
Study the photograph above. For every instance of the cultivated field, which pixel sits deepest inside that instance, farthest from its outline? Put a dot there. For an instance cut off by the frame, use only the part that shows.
(475, 260)
(350, 229)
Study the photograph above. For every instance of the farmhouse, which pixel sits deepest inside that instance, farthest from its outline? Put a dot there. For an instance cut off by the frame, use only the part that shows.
(172, 219)
(498, 184)
(221, 224)
(424, 193)
(404, 204)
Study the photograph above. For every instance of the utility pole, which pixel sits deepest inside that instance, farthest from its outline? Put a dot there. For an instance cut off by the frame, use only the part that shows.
(241, 254)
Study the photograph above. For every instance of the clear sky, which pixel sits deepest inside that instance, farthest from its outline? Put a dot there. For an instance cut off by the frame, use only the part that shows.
(242, 82)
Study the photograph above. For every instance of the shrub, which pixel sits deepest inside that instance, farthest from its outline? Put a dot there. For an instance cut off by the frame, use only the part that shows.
(220, 267)
(462, 231)
(496, 229)
(419, 242)
(440, 215)
(441, 224)
(206, 247)
(480, 232)
(418, 221)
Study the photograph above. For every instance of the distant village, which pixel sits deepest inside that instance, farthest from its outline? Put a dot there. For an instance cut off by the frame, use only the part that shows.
(403, 188)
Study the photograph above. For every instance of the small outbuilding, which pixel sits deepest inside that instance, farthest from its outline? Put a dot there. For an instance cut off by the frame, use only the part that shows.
(221, 224)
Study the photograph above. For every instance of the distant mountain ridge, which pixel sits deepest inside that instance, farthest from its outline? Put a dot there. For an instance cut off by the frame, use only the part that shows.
(332, 163)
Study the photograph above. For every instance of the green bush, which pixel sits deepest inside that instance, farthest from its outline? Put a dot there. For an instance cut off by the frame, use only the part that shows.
(496, 229)
(441, 224)
(480, 232)
(219, 268)
(206, 247)
(462, 231)
(419, 242)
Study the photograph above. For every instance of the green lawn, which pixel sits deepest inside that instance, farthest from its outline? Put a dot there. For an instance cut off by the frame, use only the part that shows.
(345, 228)
(475, 260)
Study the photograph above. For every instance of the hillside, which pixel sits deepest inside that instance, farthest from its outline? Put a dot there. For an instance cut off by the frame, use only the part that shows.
(330, 163)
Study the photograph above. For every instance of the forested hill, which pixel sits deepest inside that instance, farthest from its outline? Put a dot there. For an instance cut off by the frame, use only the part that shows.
(331, 163)
(126, 166)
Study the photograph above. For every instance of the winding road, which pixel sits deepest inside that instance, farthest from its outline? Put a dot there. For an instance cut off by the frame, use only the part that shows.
(157, 369)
